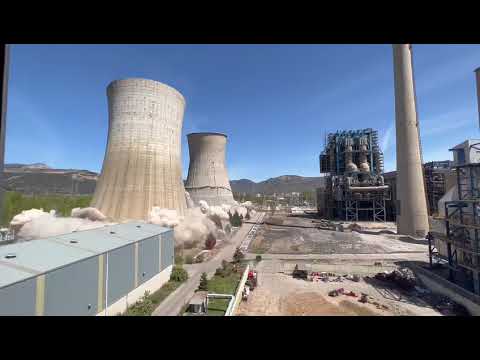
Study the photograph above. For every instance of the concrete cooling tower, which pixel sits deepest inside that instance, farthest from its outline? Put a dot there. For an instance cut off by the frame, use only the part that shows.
(142, 165)
(207, 174)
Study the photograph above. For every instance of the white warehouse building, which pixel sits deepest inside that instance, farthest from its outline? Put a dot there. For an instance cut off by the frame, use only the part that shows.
(93, 272)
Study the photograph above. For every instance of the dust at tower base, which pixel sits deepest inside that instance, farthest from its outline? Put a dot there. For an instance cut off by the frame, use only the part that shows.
(142, 166)
(207, 172)
(412, 216)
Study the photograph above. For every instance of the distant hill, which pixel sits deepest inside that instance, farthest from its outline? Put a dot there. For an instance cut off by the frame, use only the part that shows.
(40, 179)
(280, 184)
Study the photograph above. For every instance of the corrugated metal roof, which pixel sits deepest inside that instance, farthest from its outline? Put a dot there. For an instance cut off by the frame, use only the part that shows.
(21, 260)
(10, 275)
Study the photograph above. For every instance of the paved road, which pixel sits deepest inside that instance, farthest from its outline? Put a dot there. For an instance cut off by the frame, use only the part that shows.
(173, 304)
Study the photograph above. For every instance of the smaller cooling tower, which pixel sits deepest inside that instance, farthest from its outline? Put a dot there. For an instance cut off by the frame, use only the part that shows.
(207, 174)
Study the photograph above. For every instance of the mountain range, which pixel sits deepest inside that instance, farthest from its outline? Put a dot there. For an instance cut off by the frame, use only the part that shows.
(40, 179)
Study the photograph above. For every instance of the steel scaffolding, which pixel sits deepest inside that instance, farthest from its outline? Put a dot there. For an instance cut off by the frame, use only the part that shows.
(462, 221)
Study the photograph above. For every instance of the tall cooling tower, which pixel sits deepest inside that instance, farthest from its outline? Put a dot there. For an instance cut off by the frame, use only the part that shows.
(207, 174)
(142, 166)
(412, 216)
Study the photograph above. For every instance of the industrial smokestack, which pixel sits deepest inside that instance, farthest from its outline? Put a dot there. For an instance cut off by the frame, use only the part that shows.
(477, 73)
(412, 216)
(207, 174)
(142, 166)
(3, 115)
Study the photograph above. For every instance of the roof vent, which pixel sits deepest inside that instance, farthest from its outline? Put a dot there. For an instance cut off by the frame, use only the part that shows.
(139, 226)
(10, 256)
(73, 242)
(112, 232)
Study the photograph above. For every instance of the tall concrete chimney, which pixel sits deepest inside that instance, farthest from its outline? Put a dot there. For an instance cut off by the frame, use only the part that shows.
(412, 216)
(3, 114)
(477, 73)
(142, 166)
(207, 173)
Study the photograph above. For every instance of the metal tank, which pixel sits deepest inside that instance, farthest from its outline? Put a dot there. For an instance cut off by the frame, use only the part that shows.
(207, 173)
(412, 215)
(142, 165)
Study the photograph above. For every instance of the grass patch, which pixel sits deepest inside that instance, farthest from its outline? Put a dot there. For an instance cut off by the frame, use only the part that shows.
(161, 294)
(224, 285)
(217, 307)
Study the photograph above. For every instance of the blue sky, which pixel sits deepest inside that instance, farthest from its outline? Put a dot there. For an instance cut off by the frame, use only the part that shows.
(275, 102)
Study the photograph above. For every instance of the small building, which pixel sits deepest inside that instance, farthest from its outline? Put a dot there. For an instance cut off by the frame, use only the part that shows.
(198, 305)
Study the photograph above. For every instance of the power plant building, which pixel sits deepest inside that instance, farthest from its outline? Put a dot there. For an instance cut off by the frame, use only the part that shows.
(93, 272)
(142, 166)
(355, 189)
(207, 172)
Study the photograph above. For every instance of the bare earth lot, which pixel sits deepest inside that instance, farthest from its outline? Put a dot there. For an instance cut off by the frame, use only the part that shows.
(281, 294)
(294, 241)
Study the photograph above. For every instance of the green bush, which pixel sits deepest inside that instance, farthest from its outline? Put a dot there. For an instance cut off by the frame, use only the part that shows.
(143, 307)
(178, 274)
(235, 219)
(258, 258)
(189, 259)
(178, 260)
(203, 286)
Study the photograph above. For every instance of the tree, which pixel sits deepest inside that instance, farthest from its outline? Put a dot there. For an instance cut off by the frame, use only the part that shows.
(236, 220)
(247, 216)
(203, 286)
(179, 274)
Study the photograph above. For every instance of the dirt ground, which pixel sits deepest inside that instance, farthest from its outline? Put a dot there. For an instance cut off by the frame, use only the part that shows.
(279, 294)
(281, 239)
(288, 241)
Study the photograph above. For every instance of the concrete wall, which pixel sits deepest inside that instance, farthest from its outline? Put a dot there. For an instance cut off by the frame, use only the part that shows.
(142, 166)
(442, 286)
(238, 294)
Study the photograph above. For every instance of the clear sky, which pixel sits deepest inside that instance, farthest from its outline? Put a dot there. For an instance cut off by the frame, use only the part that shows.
(275, 102)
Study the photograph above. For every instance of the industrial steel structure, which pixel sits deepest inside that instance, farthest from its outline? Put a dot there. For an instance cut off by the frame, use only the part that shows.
(439, 177)
(207, 172)
(93, 272)
(355, 189)
(411, 207)
(462, 217)
(142, 166)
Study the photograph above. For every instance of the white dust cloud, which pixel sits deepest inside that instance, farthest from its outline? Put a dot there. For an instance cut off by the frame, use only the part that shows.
(36, 223)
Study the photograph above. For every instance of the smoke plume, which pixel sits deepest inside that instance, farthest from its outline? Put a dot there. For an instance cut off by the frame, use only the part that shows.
(36, 223)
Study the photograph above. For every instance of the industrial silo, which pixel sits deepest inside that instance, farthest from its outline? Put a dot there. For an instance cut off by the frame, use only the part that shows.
(207, 173)
(142, 165)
